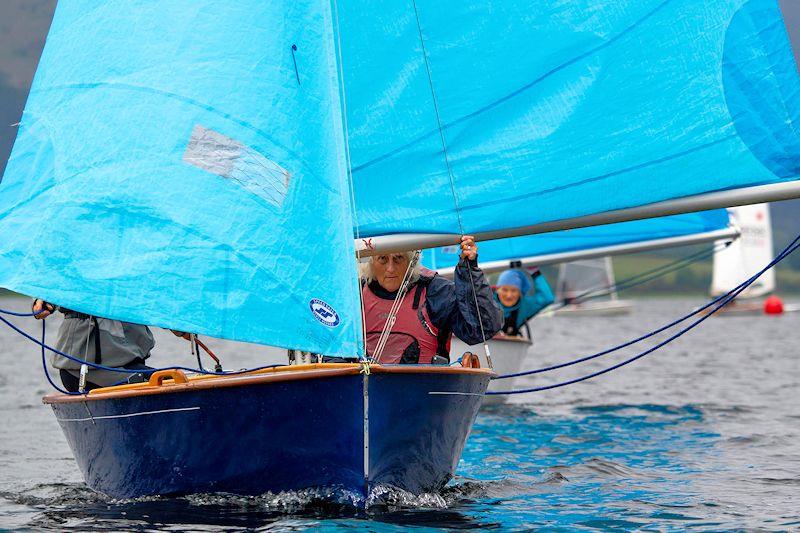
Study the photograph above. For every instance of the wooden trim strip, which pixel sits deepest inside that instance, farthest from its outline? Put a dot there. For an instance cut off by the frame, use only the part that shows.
(270, 375)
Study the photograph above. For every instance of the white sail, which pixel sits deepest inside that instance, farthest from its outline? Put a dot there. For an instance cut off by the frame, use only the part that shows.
(583, 278)
(747, 255)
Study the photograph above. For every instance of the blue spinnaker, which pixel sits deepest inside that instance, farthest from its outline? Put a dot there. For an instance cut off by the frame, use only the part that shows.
(182, 164)
(637, 231)
(553, 109)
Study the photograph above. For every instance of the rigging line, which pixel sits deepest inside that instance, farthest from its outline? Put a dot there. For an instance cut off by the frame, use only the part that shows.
(349, 167)
(438, 119)
(633, 281)
(643, 277)
(730, 296)
(128, 370)
(44, 366)
(451, 177)
(738, 289)
(15, 313)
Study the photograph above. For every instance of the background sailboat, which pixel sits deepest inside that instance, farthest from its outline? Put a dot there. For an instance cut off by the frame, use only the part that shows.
(188, 168)
(578, 281)
(744, 258)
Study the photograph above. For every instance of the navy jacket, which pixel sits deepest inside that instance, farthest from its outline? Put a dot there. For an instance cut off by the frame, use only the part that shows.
(451, 305)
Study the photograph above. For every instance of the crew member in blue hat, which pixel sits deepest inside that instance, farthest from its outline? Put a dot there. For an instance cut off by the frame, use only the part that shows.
(521, 297)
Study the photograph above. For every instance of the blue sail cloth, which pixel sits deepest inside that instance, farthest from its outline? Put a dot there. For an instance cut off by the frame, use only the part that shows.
(185, 166)
(173, 168)
(585, 238)
(552, 109)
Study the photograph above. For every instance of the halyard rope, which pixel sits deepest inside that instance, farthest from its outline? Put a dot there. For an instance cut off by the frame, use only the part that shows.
(452, 179)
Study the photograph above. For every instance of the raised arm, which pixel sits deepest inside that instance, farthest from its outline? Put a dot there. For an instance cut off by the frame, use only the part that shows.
(451, 304)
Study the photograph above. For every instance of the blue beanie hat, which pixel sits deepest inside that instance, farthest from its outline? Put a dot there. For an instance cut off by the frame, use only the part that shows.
(515, 278)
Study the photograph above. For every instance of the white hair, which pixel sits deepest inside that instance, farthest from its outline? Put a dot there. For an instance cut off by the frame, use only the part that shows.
(367, 275)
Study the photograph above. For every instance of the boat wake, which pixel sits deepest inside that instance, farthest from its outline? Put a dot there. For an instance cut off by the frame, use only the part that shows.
(62, 506)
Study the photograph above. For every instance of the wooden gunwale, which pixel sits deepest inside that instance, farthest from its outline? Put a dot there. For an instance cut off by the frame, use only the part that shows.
(267, 375)
(506, 338)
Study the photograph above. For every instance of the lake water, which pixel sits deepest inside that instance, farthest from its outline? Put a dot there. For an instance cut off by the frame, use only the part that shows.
(704, 433)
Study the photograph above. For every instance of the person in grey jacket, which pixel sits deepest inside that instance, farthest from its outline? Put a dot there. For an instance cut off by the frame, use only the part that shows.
(99, 340)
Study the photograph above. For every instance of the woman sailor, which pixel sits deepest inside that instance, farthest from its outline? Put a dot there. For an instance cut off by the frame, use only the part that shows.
(98, 340)
(521, 297)
(431, 309)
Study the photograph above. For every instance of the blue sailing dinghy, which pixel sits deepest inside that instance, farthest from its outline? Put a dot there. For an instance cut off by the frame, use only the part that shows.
(204, 166)
(293, 427)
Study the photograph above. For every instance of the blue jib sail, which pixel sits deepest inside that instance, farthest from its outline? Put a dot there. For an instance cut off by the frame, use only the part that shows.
(558, 109)
(182, 164)
(565, 241)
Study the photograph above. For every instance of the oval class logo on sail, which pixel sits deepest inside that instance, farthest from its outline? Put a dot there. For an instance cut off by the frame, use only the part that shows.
(324, 313)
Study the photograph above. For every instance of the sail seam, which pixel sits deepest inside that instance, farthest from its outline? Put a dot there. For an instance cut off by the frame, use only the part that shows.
(516, 92)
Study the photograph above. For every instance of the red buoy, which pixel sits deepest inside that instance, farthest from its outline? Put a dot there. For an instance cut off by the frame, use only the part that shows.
(773, 306)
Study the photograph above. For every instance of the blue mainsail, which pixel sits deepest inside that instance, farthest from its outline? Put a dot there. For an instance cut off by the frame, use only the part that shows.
(565, 241)
(557, 109)
(185, 165)
(181, 164)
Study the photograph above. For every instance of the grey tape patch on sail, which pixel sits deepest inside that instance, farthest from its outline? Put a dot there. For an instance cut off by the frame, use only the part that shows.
(226, 157)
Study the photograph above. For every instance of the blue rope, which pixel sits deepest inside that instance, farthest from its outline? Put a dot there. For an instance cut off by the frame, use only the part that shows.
(44, 347)
(721, 301)
(16, 313)
(789, 249)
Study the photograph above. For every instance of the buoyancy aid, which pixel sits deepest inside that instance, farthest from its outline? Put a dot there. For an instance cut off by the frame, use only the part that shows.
(413, 338)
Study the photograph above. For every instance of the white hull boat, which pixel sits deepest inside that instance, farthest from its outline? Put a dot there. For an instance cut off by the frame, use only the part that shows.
(508, 357)
(602, 308)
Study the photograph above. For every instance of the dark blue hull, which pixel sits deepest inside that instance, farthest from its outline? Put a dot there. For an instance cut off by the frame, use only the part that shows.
(278, 431)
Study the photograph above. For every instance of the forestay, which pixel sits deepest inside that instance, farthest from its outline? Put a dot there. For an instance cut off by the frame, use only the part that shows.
(183, 165)
(554, 109)
(562, 243)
